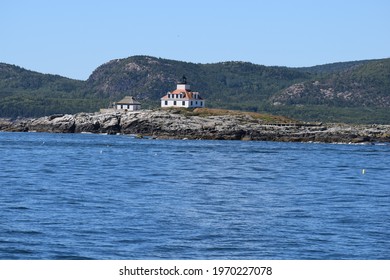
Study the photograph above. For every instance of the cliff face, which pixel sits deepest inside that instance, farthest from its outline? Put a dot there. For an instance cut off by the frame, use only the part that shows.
(174, 124)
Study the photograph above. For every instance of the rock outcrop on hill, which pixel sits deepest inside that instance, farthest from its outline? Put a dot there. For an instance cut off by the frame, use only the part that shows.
(352, 92)
(174, 124)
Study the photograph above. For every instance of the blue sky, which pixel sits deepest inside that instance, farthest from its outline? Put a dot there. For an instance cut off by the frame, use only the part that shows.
(71, 38)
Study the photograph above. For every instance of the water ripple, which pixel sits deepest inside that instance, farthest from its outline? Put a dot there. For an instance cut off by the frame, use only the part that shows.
(65, 196)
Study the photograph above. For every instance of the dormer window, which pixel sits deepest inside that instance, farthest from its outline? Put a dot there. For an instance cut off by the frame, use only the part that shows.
(184, 95)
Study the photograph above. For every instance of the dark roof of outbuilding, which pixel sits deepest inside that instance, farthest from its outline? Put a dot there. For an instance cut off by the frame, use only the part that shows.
(128, 100)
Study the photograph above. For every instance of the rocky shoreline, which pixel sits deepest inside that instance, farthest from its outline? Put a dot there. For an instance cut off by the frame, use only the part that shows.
(174, 124)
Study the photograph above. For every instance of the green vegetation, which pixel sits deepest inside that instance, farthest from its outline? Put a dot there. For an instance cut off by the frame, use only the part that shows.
(356, 92)
(366, 85)
(26, 93)
(332, 114)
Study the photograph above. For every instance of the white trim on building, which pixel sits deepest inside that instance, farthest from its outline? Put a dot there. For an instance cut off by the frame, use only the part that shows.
(128, 103)
(182, 97)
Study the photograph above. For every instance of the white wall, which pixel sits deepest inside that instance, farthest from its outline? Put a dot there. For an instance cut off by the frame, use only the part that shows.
(183, 86)
(196, 103)
(187, 103)
(171, 103)
(128, 107)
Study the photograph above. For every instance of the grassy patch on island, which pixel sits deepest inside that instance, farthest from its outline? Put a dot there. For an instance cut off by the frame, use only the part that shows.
(209, 112)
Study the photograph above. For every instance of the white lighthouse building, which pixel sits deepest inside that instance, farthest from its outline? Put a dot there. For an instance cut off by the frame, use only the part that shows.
(182, 97)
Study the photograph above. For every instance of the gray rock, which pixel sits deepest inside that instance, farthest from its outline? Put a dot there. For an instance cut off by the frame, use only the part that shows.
(55, 123)
(174, 124)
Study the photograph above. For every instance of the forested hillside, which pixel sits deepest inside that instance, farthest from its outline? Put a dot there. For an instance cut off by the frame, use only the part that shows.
(234, 85)
(25, 93)
(360, 92)
(357, 91)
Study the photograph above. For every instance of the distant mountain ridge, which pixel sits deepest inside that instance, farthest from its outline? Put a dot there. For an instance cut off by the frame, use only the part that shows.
(149, 78)
(357, 91)
(364, 84)
(333, 67)
(25, 93)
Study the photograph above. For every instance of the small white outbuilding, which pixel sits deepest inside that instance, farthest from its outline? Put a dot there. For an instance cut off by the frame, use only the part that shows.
(128, 103)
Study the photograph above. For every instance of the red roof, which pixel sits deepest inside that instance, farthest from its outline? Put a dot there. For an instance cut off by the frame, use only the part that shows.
(187, 94)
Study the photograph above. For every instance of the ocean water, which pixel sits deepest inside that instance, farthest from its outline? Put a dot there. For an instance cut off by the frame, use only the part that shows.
(84, 196)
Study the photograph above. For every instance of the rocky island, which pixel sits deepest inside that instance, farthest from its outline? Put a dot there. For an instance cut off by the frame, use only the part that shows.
(201, 123)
